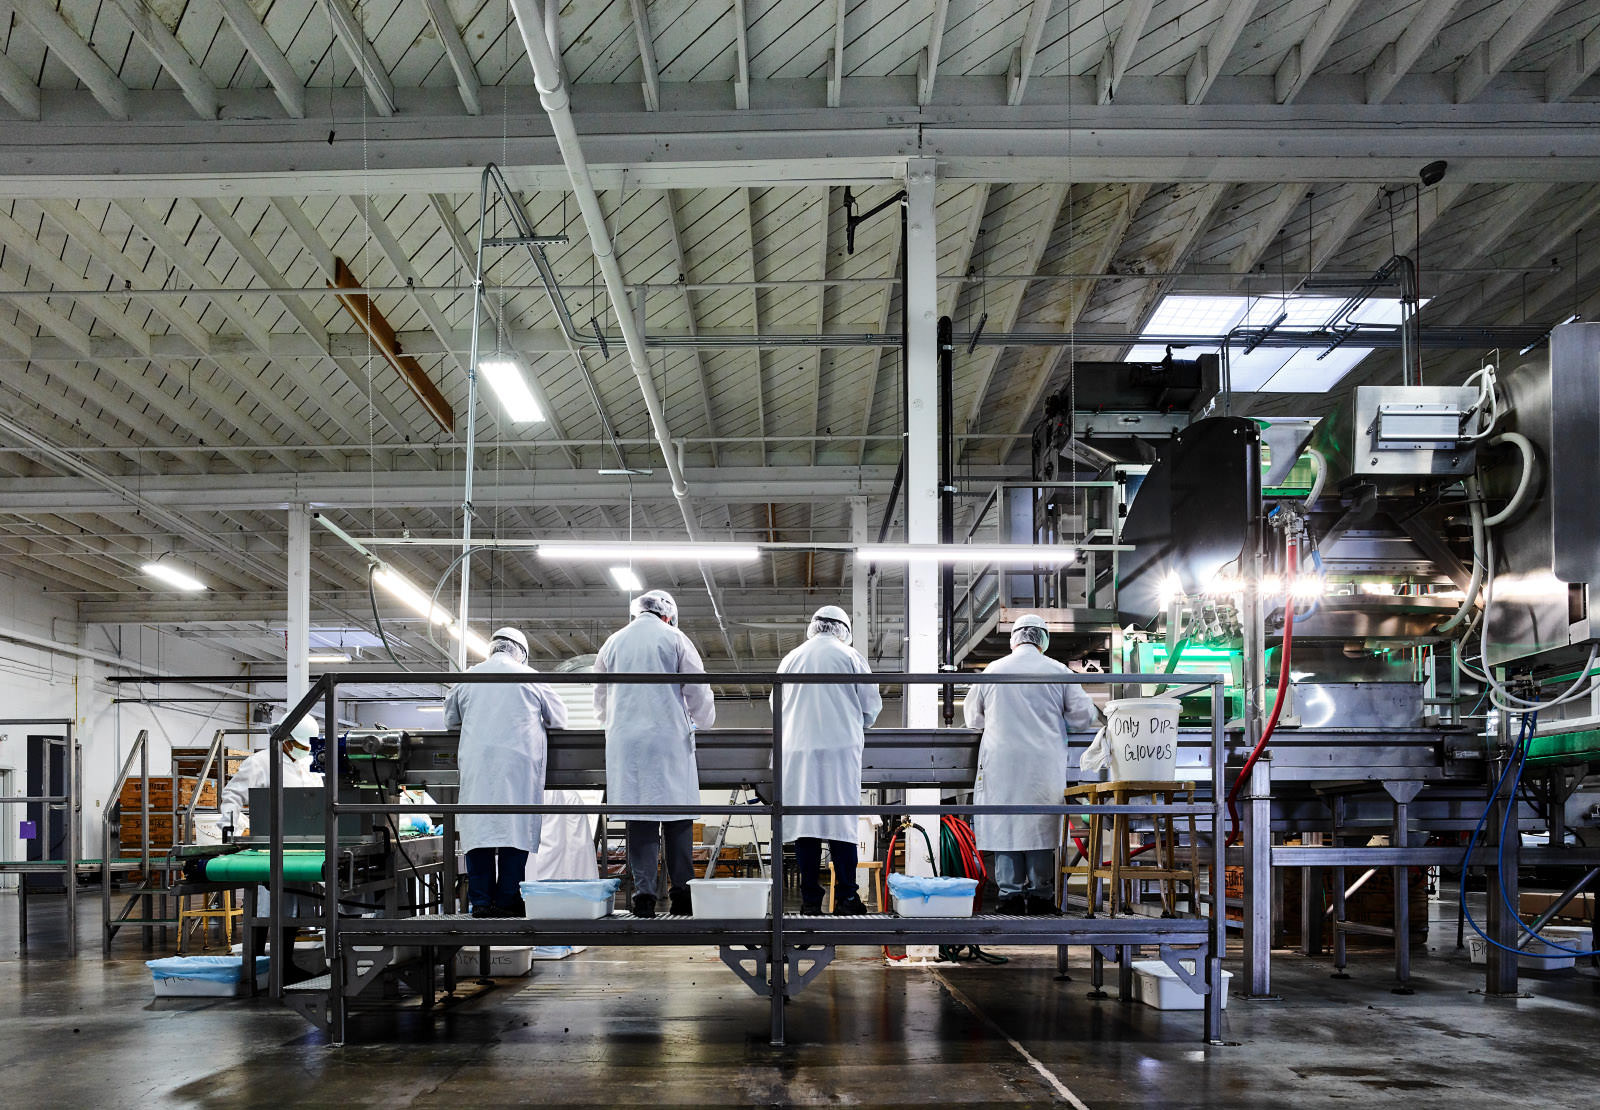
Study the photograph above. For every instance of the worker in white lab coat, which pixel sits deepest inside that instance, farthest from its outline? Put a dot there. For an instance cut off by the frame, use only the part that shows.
(1022, 760)
(502, 759)
(823, 733)
(256, 771)
(650, 744)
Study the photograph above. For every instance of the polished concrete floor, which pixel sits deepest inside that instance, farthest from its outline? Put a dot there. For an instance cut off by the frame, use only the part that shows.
(674, 1027)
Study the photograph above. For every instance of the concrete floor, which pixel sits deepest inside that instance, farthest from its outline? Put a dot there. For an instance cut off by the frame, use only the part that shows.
(673, 1027)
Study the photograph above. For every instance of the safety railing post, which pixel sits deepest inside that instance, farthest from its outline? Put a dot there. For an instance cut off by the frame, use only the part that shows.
(332, 947)
(1218, 884)
(779, 960)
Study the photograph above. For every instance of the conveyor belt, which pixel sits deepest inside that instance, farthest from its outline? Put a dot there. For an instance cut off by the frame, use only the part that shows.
(256, 867)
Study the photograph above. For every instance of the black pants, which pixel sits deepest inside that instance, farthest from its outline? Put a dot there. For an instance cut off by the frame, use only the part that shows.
(808, 854)
(644, 854)
(494, 877)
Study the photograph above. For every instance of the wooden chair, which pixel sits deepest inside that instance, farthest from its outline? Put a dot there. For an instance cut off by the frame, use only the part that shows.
(1112, 869)
(868, 886)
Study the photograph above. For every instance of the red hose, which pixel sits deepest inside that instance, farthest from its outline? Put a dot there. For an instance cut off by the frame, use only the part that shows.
(1292, 562)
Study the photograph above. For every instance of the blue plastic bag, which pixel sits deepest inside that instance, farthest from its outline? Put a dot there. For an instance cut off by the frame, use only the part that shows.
(209, 969)
(931, 886)
(590, 890)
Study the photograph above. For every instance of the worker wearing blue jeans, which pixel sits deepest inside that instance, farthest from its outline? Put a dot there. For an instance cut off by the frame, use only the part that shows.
(1026, 878)
(494, 879)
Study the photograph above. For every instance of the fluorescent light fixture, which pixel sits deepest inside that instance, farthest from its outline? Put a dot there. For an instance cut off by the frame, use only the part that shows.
(419, 603)
(1024, 554)
(626, 579)
(328, 657)
(429, 708)
(659, 552)
(511, 388)
(174, 575)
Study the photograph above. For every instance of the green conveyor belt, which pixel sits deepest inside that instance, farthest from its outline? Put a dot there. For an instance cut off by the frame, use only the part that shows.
(256, 867)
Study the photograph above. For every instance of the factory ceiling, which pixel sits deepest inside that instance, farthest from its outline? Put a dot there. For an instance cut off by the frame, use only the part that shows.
(180, 183)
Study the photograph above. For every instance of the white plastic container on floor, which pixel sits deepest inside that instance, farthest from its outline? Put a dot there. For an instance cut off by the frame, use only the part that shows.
(202, 976)
(932, 895)
(505, 962)
(569, 899)
(1156, 984)
(1531, 957)
(731, 897)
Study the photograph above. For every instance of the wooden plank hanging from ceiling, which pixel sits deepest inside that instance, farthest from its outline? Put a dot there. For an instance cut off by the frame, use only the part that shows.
(381, 332)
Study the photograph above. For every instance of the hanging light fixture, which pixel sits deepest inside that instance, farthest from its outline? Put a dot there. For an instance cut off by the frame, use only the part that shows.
(511, 389)
(174, 574)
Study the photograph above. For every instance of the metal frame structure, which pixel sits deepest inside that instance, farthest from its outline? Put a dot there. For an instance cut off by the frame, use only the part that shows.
(69, 800)
(780, 944)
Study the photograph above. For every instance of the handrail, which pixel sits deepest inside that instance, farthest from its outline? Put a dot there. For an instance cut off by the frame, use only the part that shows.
(114, 803)
(199, 784)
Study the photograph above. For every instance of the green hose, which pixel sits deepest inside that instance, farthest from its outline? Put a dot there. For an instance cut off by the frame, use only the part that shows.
(256, 867)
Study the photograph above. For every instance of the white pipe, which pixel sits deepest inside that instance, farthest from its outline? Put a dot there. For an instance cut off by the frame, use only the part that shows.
(1525, 448)
(534, 27)
(1475, 508)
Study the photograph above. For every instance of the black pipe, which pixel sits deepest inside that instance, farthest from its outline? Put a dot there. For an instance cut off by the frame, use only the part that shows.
(947, 509)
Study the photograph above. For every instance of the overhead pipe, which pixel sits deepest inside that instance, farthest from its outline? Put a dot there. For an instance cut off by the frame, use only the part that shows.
(531, 22)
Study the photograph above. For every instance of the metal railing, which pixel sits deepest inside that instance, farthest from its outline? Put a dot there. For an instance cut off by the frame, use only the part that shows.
(325, 691)
(71, 807)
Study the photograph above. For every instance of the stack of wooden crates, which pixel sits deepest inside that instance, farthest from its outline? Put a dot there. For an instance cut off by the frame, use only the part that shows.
(165, 804)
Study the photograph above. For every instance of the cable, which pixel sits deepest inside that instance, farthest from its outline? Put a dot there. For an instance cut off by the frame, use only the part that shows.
(1499, 696)
(1524, 480)
(1291, 564)
(1480, 537)
(383, 636)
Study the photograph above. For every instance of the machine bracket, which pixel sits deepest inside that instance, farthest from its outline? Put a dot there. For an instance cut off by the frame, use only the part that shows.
(803, 964)
(749, 964)
(1195, 980)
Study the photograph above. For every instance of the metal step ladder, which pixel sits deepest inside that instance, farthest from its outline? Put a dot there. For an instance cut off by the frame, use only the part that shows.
(727, 823)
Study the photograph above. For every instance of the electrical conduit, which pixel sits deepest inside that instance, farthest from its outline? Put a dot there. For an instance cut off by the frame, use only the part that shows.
(553, 96)
(1291, 566)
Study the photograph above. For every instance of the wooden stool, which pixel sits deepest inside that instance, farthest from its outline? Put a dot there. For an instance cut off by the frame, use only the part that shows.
(1120, 873)
(224, 911)
(873, 867)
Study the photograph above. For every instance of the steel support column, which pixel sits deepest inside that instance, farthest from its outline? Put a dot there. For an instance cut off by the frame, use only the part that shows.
(299, 615)
(1258, 880)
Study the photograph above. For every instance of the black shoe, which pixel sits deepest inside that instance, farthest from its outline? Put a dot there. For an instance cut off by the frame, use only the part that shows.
(1042, 907)
(682, 904)
(1014, 906)
(849, 907)
(644, 905)
(508, 911)
(483, 911)
(810, 909)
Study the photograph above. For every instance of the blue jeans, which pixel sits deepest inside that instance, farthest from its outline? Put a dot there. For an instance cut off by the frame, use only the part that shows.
(485, 888)
(1037, 864)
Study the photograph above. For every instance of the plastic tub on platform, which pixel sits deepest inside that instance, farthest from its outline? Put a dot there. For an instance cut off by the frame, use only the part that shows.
(1537, 955)
(1156, 984)
(569, 899)
(731, 897)
(202, 976)
(932, 895)
(505, 961)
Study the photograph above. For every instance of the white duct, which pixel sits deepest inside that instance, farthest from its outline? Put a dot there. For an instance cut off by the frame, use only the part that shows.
(532, 23)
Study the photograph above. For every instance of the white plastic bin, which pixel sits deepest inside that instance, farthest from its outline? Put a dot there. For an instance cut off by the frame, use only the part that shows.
(1568, 936)
(1156, 984)
(569, 899)
(1143, 733)
(202, 976)
(505, 961)
(932, 895)
(731, 897)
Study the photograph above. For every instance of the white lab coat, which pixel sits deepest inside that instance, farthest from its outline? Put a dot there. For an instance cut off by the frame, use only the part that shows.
(566, 842)
(822, 738)
(1022, 759)
(256, 771)
(649, 738)
(502, 753)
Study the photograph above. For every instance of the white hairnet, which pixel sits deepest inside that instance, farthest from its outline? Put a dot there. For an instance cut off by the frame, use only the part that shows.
(830, 620)
(509, 641)
(1030, 629)
(658, 602)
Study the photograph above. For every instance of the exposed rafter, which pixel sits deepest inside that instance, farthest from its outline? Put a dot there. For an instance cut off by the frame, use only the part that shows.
(1208, 61)
(154, 35)
(268, 57)
(1489, 57)
(1435, 203)
(1022, 55)
(1268, 226)
(1395, 60)
(77, 55)
(1305, 56)
(741, 44)
(836, 54)
(1117, 56)
(18, 89)
(1572, 67)
(455, 51)
(348, 30)
(928, 60)
(647, 55)
(681, 265)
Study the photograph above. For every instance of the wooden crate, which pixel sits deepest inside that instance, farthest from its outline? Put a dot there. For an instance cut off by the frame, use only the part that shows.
(132, 832)
(161, 794)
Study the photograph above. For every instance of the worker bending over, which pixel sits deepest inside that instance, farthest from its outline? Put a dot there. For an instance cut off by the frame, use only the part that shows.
(650, 744)
(256, 771)
(823, 733)
(1023, 761)
(502, 759)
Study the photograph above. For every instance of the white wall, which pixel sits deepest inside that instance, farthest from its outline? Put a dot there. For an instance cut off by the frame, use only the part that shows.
(38, 681)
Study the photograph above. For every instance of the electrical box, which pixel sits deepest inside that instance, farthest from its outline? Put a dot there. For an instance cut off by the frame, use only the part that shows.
(1384, 434)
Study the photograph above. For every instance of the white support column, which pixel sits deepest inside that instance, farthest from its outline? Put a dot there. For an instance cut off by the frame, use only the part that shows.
(299, 616)
(860, 617)
(922, 485)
